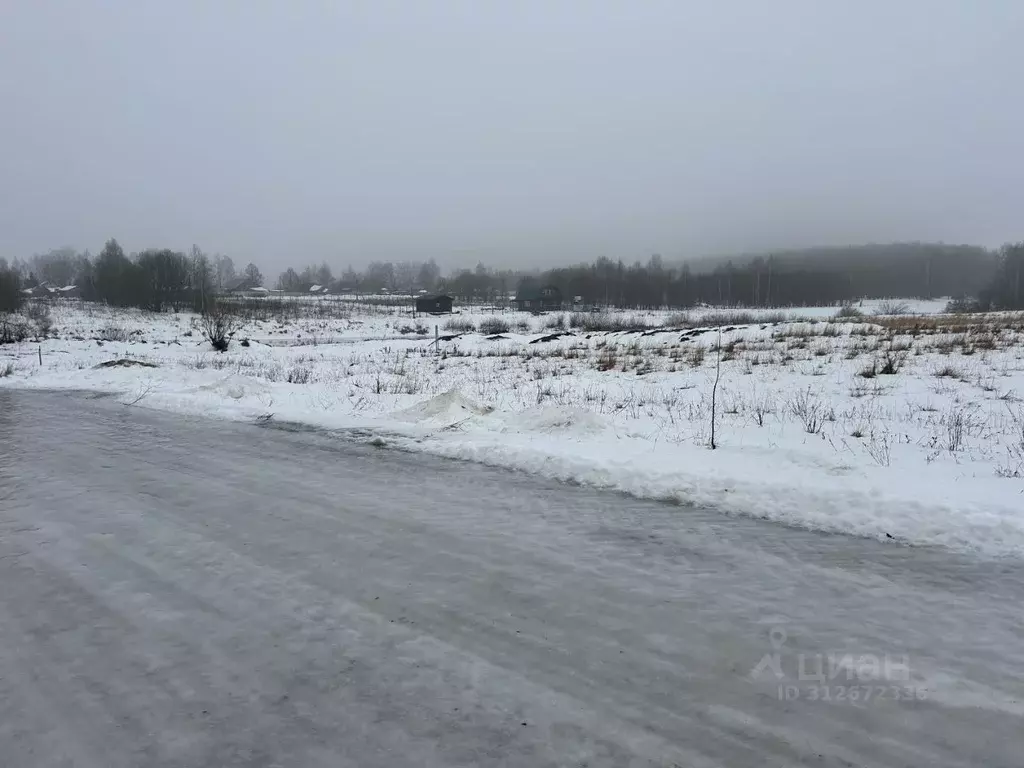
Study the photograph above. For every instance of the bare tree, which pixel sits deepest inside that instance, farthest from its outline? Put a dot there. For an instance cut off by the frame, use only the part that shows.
(225, 269)
(201, 277)
(289, 280)
(714, 387)
(56, 267)
(252, 272)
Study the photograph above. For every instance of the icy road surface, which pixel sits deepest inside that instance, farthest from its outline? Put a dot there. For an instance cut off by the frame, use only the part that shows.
(178, 592)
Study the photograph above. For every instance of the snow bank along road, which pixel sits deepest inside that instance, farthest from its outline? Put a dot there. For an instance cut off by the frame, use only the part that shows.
(175, 592)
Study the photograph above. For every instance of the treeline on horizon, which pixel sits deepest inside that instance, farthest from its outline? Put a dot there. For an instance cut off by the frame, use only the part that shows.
(160, 279)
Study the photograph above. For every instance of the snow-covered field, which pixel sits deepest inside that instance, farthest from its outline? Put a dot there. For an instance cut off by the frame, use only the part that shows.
(910, 426)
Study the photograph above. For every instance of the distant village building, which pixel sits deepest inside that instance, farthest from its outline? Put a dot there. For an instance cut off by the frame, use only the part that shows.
(547, 298)
(48, 291)
(240, 285)
(434, 305)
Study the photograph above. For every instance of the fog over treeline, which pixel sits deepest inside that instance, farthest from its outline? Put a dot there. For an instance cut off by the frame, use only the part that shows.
(159, 279)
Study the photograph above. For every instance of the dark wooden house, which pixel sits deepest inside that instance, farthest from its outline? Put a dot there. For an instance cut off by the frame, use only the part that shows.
(547, 298)
(434, 305)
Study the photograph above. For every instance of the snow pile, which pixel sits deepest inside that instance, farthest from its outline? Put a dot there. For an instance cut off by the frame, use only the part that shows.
(234, 386)
(445, 410)
(555, 420)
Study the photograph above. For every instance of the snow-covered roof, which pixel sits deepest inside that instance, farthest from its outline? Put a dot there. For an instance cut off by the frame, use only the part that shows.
(315, 288)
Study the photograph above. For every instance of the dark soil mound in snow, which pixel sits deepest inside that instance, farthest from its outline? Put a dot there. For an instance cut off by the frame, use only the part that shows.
(125, 363)
(655, 331)
(552, 337)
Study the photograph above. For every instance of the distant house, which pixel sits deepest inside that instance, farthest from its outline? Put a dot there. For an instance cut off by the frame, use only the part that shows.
(41, 291)
(547, 298)
(240, 285)
(68, 292)
(318, 289)
(434, 305)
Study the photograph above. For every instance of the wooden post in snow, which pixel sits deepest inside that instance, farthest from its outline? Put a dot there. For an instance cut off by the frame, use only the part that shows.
(437, 341)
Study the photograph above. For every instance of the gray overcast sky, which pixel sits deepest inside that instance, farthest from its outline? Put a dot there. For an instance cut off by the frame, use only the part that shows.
(518, 132)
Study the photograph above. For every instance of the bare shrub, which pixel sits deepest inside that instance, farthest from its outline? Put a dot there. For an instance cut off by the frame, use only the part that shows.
(960, 422)
(115, 332)
(39, 313)
(1017, 417)
(678, 320)
(603, 321)
(298, 374)
(810, 410)
(858, 391)
(962, 305)
(492, 325)
(460, 325)
(1012, 466)
(522, 325)
(738, 318)
(848, 312)
(763, 406)
(7, 370)
(879, 448)
(555, 322)
(697, 356)
(892, 361)
(13, 329)
(607, 360)
(892, 308)
(949, 372)
(986, 341)
(218, 326)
